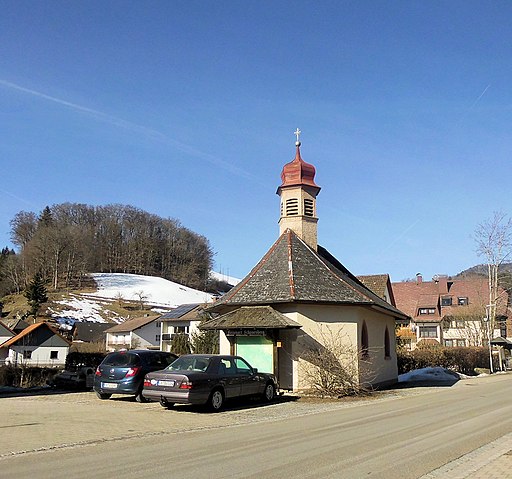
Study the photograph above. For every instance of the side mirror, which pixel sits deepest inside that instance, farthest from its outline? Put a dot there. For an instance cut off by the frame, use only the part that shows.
(254, 370)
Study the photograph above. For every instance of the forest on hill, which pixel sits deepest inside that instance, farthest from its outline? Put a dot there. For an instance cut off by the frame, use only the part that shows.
(66, 241)
(504, 274)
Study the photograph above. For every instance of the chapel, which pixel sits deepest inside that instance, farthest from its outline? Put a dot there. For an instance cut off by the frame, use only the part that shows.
(299, 298)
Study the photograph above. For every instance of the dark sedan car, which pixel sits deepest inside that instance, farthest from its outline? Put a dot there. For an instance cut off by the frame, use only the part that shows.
(207, 379)
(123, 372)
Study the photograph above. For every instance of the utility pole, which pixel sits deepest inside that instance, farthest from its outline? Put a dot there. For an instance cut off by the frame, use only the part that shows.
(488, 322)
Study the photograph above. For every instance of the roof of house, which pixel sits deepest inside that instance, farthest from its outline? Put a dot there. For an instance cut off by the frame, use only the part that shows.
(6, 329)
(410, 296)
(252, 317)
(89, 331)
(132, 324)
(28, 330)
(380, 284)
(183, 312)
(291, 271)
(15, 323)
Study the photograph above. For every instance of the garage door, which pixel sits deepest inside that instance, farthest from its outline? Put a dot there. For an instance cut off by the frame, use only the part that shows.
(258, 351)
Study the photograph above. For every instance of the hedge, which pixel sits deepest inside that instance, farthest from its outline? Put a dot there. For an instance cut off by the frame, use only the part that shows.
(461, 359)
(76, 360)
(25, 377)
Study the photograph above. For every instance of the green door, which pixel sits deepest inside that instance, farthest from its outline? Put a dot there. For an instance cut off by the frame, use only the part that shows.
(257, 351)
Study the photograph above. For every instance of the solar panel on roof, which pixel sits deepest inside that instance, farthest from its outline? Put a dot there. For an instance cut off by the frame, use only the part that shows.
(179, 311)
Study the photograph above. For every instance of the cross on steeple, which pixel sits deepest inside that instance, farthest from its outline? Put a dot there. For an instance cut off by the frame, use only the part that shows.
(297, 133)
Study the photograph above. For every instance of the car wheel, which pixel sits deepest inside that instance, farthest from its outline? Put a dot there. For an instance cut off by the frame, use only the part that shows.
(103, 395)
(140, 398)
(216, 400)
(269, 392)
(166, 404)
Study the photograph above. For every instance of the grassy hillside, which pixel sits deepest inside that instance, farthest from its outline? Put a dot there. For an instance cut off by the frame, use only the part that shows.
(75, 304)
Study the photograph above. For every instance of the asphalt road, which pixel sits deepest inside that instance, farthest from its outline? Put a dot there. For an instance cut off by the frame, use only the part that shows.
(402, 435)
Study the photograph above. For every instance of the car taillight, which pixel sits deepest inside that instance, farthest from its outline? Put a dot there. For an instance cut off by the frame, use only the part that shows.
(186, 384)
(98, 372)
(132, 372)
(147, 382)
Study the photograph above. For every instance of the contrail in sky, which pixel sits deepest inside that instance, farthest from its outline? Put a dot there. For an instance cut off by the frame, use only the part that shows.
(155, 134)
(401, 235)
(481, 95)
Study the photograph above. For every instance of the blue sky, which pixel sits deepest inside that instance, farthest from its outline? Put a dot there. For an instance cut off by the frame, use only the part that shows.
(187, 109)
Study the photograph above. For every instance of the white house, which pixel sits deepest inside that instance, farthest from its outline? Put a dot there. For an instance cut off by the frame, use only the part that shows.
(137, 333)
(37, 345)
(184, 319)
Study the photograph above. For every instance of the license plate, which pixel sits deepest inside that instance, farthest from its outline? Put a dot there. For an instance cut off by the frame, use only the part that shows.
(109, 385)
(169, 384)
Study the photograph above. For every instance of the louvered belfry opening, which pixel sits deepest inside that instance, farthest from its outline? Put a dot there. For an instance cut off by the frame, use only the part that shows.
(298, 192)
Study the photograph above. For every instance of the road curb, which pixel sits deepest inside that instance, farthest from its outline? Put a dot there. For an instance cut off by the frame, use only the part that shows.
(470, 465)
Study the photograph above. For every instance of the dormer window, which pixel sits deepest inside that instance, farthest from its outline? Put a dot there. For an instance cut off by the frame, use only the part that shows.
(427, 311)
(308, 207)
(292, 207)
(446, 301)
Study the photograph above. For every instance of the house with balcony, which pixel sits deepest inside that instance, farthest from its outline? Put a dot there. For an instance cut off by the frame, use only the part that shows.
(138, 333)
(184, 319)
(449, 312)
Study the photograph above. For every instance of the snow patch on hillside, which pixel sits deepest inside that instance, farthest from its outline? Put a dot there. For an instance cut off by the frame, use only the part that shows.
(79, 308)
(231, 280)
(157, 291)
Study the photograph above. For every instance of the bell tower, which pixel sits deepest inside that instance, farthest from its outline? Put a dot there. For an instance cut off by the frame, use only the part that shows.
(298, 192)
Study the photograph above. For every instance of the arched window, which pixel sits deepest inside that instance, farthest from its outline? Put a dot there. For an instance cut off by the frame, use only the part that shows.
(364, 341)
(387, 344)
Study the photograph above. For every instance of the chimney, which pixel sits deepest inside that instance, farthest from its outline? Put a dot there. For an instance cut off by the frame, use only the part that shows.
(442, 283)
(419, 278)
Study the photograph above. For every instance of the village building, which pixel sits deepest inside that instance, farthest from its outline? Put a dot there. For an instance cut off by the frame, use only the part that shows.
(89, 332)
(299, 298)
(37, 345)
(184, 319)
(450, 312)
(137, 333)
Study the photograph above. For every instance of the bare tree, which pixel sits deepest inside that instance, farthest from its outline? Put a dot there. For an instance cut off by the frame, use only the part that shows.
(332, 366)
(142, 297)
(494, 243)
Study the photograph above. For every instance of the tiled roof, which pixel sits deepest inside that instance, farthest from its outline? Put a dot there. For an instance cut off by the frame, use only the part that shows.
(132, 324)
(410, 296)
(293, 272)
(27, 331)
(259, 317)
(380, 284)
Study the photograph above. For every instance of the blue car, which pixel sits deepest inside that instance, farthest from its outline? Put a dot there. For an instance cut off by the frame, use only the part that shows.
(123, 372)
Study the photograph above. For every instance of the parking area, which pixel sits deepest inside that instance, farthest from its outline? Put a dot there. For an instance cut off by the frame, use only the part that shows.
(50, 420)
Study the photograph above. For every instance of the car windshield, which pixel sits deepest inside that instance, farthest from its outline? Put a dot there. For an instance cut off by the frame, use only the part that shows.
(190, 363)
(121, 360)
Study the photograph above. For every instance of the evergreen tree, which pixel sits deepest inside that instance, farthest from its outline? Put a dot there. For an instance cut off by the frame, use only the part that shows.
(180, 344)
(36, 294)
(205, 342)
